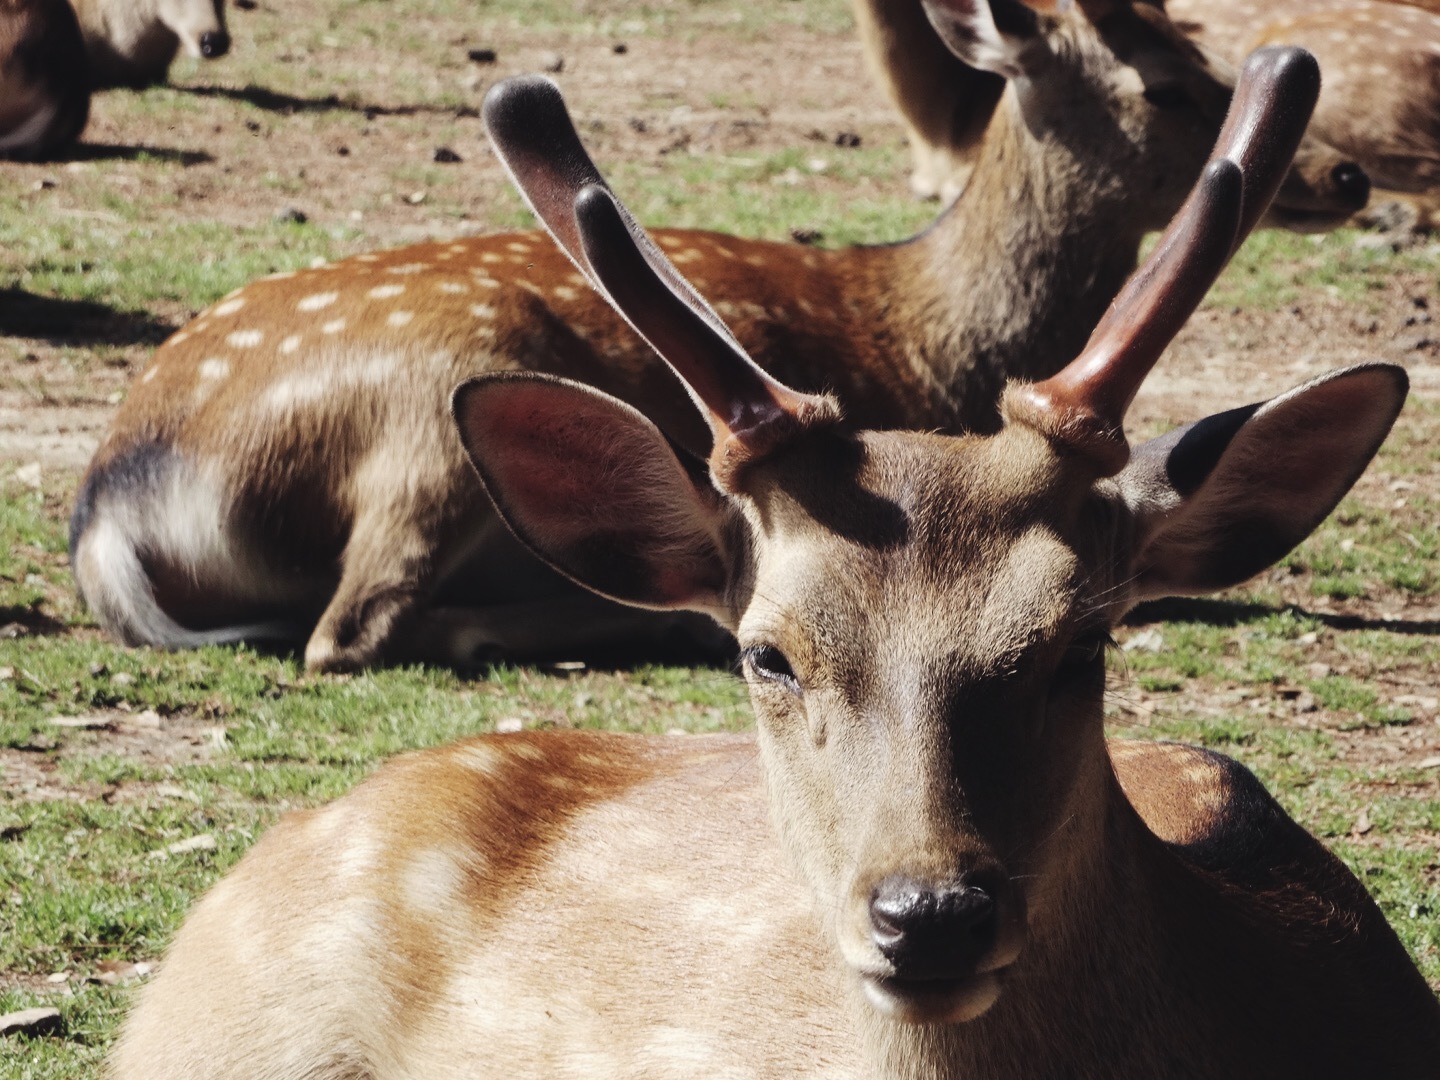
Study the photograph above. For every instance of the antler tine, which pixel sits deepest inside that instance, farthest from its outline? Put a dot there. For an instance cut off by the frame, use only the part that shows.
(1082, 408)
(749, 412)
(532, 132)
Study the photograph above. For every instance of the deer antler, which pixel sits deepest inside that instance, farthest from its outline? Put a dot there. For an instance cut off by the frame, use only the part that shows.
(750, 413)
(1082, 408)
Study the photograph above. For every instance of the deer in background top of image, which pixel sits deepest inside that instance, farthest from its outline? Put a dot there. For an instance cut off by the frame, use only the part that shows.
(44, 92)
(944, 105)
(285, 467)
(133, 42)
(1380, 98)
(978, 886)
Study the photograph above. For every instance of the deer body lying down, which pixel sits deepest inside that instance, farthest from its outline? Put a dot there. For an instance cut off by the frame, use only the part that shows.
(967, 881)
(285, 466)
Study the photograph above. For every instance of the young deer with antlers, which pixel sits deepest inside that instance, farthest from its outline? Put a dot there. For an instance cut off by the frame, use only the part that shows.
(286, 457)
(945, 106)
(989, 891)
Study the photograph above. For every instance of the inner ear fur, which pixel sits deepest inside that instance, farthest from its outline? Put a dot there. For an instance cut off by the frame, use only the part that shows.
(998, 36)
(595, 490)
(1220, 500)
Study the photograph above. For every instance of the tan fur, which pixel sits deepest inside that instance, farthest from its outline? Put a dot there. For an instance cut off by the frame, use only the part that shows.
(944, 106)
(1380, 101)
(317, 399)
(133, 42)
(573, 905)
(44, 96)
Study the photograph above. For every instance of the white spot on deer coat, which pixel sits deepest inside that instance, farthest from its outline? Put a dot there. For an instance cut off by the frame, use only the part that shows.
(482, 311)
(564, 292)
(400, 318)
(290, 344)
(408, 268)
(150, 373)
(432, 881)
(229, 307)
(334, 326)
(214, 368)
(385, 292)
(245, 339)
(316, 301)
(452, 287)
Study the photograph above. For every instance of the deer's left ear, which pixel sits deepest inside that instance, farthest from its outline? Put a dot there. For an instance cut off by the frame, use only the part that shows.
(596, 491)
(1219, 500)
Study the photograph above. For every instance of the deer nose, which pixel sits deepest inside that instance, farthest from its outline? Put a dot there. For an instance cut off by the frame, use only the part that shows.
(932, 933)
(1351, 182)
(214, 43)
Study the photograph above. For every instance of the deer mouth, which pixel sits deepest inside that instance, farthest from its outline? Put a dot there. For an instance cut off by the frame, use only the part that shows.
(933, 1001)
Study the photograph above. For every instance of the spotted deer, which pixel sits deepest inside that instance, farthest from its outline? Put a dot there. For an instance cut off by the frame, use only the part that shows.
(968, 881)
(285, 466)
(44, 93)
(944, 105)
(1380, 103)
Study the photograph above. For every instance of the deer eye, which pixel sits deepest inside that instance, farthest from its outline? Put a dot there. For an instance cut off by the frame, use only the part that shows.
(1168, 97)
(769, 663)
(1085, 657)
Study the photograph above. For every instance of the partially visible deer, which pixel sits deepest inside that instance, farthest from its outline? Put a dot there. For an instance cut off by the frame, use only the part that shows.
(1380, 100)
(134, 42)
(286, 457)
(945, 105)
(44, 90)
(986, 889)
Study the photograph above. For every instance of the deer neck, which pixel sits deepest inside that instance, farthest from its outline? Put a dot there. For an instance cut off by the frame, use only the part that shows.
(1011, 279)
(1096, 951)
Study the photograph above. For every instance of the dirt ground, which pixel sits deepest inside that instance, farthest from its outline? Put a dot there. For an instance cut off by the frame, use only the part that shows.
(248, 143)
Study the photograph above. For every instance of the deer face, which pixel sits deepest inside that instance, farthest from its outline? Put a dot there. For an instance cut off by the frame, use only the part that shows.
(922, 618)
(923, 635)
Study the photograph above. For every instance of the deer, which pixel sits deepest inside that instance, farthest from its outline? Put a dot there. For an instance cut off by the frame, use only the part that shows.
(944, 106)
(284, 468)
(963, 877)
(44, 95)
(132, 43)
(1380, 103)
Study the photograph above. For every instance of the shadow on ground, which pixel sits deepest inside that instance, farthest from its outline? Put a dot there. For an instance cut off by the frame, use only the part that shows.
(76, 322)
(1239, 612)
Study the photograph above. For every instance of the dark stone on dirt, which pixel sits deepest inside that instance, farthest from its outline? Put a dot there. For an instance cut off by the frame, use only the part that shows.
(445, 156)
(553, 63)
(482, 56)
(620, 48)
(291, 216)
(847, 140)
(803, 235)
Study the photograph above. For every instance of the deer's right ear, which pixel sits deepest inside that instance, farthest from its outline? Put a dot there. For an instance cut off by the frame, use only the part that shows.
(1001, 36)
(596, 491)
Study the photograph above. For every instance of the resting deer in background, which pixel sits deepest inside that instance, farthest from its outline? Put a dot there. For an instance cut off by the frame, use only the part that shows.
(134, 42)
(944, 105)
(986, 889)
(1380, 102)
(44, 91)
(286, 456)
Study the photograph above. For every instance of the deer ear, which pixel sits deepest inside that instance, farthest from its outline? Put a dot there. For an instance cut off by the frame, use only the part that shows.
(1218, 501)
(1000, 36)
(595, 490)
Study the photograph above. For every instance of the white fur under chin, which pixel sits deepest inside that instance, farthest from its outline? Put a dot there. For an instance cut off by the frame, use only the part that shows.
(966, 1001)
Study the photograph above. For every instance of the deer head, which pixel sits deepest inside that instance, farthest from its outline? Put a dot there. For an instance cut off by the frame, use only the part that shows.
(923, 618)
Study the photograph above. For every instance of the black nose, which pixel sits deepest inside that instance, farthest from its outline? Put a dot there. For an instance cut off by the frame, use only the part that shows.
(930, 933)
(214, 43)
(1352, 183)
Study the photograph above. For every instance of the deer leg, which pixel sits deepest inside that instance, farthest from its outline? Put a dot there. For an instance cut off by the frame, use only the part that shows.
(386, 575)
